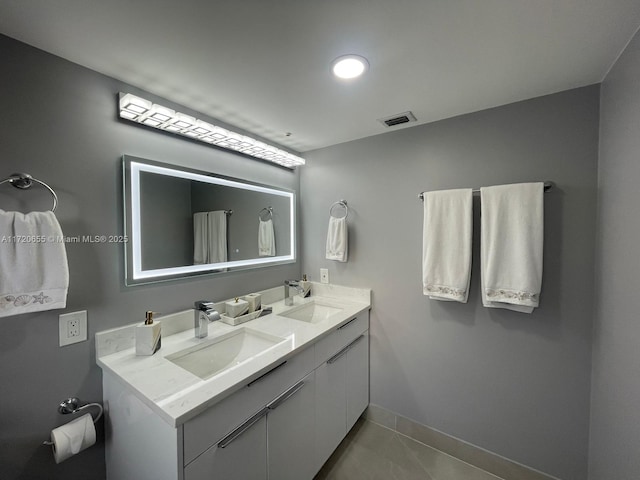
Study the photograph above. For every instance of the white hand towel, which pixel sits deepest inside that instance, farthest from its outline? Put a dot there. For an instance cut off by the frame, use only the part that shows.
(266, 239)
(200, 236)
(446, 244)
(34, 274)
(511, 246)
(217, 236)
(337, 240)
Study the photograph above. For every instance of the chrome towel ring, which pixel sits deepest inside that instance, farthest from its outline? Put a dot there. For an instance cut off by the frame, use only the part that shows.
(340, 203)
(24, 181)
(266, 211)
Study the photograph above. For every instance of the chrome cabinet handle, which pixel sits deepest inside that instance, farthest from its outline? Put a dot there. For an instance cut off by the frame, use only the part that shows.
(286, 396)
(344, 350)
(338, 355)
(352, 320)
(355, 341)
(226, 441)
(265, 374)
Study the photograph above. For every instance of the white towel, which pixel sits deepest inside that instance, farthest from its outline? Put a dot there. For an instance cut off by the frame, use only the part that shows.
(446, 244)
(337, 239)
(200, 236)
(511, 246)
(217, 236)
(266, 239)
(34, 274)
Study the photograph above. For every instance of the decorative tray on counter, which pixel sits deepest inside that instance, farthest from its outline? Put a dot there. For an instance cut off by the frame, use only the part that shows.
(241, 318)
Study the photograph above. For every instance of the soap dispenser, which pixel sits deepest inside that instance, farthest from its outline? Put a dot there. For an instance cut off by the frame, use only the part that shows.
(148, 335)
(306, 286)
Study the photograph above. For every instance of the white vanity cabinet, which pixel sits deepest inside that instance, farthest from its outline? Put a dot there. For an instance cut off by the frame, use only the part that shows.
(273, 443)
(342, 384)
(331, 408)
(229, 440)
(357, 378)
(283, 425)
(243, 455)
(290, 427)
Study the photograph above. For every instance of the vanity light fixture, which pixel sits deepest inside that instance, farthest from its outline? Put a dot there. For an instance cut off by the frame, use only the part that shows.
(143, 111)
(349, 66)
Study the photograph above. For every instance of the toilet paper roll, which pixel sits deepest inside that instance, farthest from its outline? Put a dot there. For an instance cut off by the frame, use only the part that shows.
(73, 437)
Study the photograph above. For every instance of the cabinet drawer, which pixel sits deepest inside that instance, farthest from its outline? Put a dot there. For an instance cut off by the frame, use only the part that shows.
(244, 459)
(341, 337)
(209, 427)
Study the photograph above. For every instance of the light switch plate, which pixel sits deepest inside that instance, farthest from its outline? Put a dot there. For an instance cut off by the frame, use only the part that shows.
(72, 327)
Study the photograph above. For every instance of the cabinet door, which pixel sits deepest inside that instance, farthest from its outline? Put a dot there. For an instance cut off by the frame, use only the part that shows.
(241, 455)
(357, 379)
(291, 432)
(331, 407)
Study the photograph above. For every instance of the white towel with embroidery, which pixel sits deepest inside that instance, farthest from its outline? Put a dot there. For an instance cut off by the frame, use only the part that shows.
(337, 247)
(34, 274)
(511, 246)
(446, 244)
(266, 239)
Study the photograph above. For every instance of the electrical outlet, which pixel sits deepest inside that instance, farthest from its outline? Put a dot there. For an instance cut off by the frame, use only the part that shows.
(72, 327)
(324, 275)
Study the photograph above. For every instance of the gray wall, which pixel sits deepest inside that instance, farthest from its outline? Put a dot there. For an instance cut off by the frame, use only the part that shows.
(615, 428)
(59, 123)
(166, 221)
(512, 383)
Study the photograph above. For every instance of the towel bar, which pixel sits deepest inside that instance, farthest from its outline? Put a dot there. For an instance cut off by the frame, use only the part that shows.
(24, 181)
(548, 185)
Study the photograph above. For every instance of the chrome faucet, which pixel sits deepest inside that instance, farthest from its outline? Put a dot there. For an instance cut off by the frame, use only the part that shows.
(203, 314)
(288, 300)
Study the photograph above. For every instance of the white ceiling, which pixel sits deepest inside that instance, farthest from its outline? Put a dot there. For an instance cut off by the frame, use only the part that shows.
(263, 65)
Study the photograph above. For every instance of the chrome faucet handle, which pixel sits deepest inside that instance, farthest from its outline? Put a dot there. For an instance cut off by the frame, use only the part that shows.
(203, 305)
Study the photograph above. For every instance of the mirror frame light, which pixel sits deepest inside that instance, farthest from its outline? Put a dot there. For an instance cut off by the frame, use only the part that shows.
(135, 275)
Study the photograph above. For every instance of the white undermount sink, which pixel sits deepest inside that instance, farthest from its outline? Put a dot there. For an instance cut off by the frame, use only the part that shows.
(312, 312)
(224, 352)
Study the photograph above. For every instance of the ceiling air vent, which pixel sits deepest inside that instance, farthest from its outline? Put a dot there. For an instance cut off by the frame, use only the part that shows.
(398, 119)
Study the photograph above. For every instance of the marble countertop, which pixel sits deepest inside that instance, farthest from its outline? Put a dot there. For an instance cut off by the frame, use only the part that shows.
(177, 395)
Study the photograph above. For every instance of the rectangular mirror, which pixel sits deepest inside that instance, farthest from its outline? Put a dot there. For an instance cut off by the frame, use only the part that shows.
(182, 222)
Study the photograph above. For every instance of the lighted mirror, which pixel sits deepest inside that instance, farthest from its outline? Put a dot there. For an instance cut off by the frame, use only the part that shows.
(182, 222)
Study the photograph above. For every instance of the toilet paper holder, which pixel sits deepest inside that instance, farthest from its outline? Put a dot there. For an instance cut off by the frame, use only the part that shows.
(70, 405)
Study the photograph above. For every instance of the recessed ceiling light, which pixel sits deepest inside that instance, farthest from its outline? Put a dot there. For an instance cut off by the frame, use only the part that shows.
(349, 66)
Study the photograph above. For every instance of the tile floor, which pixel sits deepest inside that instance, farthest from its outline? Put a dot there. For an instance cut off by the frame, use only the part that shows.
(373, 452)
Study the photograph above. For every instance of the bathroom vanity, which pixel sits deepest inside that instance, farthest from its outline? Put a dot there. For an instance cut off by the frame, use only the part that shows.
(271, 398)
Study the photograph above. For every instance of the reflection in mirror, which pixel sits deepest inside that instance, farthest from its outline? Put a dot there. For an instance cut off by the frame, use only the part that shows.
(183, 222)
